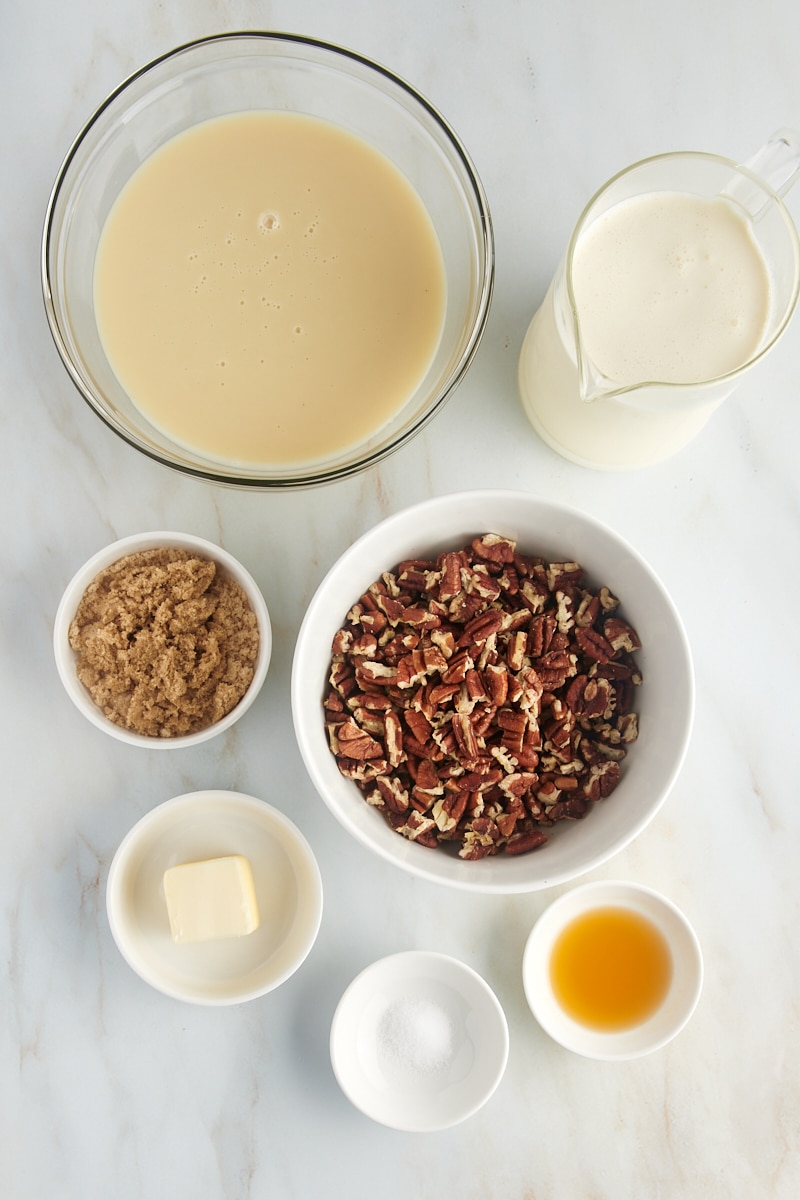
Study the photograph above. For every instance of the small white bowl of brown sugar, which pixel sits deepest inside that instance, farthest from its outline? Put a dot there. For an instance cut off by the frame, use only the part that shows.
(162, 640)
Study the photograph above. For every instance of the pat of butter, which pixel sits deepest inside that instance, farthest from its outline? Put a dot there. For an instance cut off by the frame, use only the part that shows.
(211, 899)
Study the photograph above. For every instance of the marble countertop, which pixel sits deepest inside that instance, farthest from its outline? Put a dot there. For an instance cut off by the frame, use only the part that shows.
(108, 1087)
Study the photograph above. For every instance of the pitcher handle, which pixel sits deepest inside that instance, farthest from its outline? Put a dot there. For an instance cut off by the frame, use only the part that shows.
(778, 160)
(777, 163)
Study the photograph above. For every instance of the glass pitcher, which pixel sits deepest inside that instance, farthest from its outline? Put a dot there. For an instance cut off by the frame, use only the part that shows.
(627, 415)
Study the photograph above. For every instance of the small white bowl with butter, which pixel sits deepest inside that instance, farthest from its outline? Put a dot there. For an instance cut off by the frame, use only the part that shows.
(214, 898)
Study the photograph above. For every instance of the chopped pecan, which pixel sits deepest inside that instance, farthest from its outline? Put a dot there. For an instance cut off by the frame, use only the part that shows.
(608, 603)
(482, 837)
(421, 618)
(517, 647)
(481, 628)
(416, 827)
(496, 679)
(342, 641)
(449, 809)
(587, 610)
(594, 645)
(628, 726)
(457, 667)
(589, 697)
(450, 584)
(603, 778)
(555, 668)
(392, 793)
(540, 634)
(522, 843)
(474, 685)
(620, 635)
(565, 611)
(368, 673)
(393, 735)
(362, 771)
(355, 742)
(573, 809)
(560, 575)
(494, 548)
(373, 622)
(419, 725)
(465, 736)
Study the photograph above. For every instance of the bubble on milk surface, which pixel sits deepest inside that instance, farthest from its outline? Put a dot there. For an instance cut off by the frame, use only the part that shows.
(268, 222)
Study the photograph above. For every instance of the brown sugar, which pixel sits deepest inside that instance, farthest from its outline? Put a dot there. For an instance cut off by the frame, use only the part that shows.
(167, 642)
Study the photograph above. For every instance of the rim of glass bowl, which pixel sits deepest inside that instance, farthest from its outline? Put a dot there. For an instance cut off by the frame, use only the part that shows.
(396, 89)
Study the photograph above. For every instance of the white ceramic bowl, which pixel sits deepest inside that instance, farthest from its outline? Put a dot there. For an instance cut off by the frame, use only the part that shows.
(419, 1041)
(665, 701)
(255, 70)
(678, 1004)
(203, 825)
(66, 658)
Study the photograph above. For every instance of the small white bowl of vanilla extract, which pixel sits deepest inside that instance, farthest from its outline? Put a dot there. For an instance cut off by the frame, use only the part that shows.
(612, 970)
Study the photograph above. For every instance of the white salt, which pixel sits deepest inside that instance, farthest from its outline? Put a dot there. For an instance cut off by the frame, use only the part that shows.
(416, 1034)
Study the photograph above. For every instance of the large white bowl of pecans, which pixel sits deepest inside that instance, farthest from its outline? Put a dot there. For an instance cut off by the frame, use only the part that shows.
(492, 691)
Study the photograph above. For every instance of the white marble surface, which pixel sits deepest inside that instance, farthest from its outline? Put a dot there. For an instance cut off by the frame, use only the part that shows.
(109, 1089)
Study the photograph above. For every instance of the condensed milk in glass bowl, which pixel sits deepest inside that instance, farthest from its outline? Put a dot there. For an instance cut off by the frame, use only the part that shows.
(267, 261)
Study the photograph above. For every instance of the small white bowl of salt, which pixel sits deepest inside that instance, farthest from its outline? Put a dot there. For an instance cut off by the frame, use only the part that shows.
(419, 1041)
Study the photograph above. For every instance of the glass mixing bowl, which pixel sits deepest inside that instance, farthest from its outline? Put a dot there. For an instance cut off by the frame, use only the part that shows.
(233, 73)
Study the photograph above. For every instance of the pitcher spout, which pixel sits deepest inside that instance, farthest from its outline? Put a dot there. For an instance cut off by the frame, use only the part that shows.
(592, 384)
